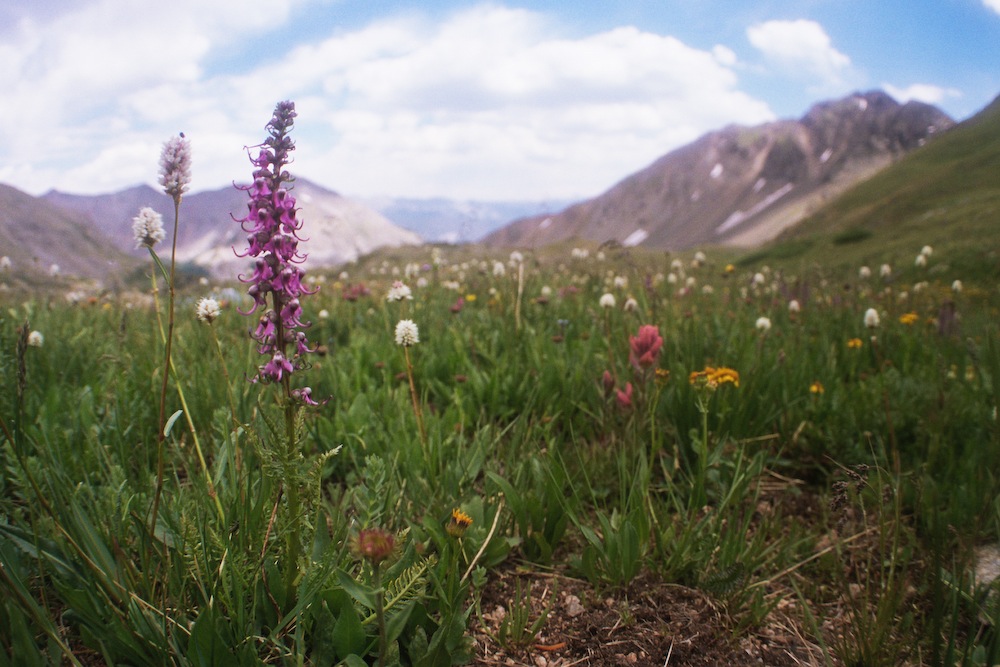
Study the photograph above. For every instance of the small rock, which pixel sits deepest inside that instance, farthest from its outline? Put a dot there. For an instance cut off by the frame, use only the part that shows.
(573, 606)
(540, 661)
(632, 658)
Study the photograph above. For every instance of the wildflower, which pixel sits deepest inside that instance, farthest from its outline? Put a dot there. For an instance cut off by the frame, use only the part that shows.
(458, 305)
(885, 271)
(955, 286)
(699, 259)
(499, 270)
(54, 270)
(374, 545)
(207, 310)
(816, 387)
(36, 339)
(471, 298)
(516, 258)
(871, 318)
(273, 236)
(608, 383)
(712, 377)
(645, 348)
(920, 262)
(864, 273)
(323, 314)
(5, 263)
(620, 282)
(407, 333)
(927, 251)
(147, 228)
(730, 268)
(854, 343)
(763, 324)
(607, 301)
(458, 523)
(399, 292)
(624, 398)
(631, 305)
(707, 289)
(793, 306)
(175, 166)
(662, 375)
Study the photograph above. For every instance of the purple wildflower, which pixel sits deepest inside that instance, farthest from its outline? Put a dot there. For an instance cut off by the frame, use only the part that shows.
(276, 283)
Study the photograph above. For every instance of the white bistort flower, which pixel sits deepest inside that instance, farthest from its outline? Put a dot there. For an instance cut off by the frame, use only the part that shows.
(407, 333)
(763, 324)
(956, 286)
(921, 261)
(631, 305)
(36, 339)
(885, 271)
(499, 270)
(607, 301)
(793, 306)
(147, 228)
(864, 273)
(871, 318)
(208, 309)
(399, 292)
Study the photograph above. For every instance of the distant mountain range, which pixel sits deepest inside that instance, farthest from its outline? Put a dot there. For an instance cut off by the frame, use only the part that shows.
(742, 185)
(739, 186)
(339, 230)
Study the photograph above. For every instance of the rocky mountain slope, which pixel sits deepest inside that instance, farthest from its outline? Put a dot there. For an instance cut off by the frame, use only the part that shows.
(743, 185)
(337, 229)
(40, 239)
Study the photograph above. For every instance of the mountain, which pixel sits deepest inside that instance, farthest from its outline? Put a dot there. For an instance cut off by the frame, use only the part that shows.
(35, 235)
(456, 221)
(742, 185)
(337, 229)
(945, 194)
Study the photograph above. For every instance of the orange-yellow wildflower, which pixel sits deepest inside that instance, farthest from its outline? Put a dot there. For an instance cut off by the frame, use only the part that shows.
(459, 523)
(816, 387)
(854, 343)
(908, 318)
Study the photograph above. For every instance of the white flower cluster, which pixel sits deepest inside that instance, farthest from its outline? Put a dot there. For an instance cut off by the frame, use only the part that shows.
(407, 333)
(147, 228)
(208, 309)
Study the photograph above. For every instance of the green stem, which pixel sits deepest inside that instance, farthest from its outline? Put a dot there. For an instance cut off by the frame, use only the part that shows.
(380, 613)
(416, 405)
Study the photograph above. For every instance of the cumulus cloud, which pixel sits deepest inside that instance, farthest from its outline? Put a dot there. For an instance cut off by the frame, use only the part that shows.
(921, 92)
(993, 4)
(490, 102)
(803, 49)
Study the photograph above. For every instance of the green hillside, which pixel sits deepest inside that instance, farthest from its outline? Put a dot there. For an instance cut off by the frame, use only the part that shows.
(945, 194)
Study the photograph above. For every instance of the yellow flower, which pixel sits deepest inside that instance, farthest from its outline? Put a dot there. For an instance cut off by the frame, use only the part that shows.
(908, 318)
(662, 375)
(459, 522)
(730, 268)
(816, 387)
(854, 343)
(470, 297)
(712, 377)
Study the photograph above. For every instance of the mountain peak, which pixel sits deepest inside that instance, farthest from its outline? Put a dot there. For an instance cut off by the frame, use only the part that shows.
(743, 185)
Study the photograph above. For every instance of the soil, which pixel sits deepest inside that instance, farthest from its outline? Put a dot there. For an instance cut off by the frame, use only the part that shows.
(650, 623)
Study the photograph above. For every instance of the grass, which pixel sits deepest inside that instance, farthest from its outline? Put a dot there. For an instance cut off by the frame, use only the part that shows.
(551, 467)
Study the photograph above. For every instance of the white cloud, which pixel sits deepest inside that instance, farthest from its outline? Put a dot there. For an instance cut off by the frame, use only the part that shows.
(490, 102)
(803, 49)
(921, 92)
(993, 4)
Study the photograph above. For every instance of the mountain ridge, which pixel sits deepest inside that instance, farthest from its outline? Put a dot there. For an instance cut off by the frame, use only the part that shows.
(742, 185)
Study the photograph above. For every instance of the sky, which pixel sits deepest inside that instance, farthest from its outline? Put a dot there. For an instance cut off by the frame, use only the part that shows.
(502, 100)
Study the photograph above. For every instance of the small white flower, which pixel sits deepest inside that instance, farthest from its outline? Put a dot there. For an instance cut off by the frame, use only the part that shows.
(871, 318)
(607, 301)
(921, 261)
(421, 282)
(620, 282)
(759, 279)
(956, 286)
(516, 258)
(36, 339)
(499, 270)
(672, 278)
(699, 258)
(600, 255)
(323, 314)
(927, 251)
(690, 282)
(631, 305)
(763, 324)
(147, 228)
(208, 309)
(399, 292)
(546, 291)
(885, 271)
(707, 289)
(5, 263)
(793, 306)
(864, 273)
(54, 270)
(407, 333)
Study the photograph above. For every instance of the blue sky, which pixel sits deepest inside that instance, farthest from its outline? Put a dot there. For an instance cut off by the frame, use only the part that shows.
(495, 100)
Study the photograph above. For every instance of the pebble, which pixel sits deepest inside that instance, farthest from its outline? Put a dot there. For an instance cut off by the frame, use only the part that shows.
(573, 606)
